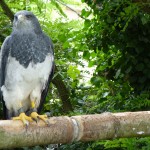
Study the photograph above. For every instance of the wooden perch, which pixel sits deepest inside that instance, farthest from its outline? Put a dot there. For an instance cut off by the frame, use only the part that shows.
(76, 128)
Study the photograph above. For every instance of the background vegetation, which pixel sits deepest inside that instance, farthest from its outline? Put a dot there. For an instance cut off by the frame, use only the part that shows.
(102, 59)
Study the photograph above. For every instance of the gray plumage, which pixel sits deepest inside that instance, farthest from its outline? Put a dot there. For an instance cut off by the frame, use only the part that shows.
(28, 48)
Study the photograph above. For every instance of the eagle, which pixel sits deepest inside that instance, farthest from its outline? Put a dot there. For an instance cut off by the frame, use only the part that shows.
(26, 69)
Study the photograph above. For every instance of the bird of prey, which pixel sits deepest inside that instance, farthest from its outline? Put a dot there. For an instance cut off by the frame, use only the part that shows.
(26, 69)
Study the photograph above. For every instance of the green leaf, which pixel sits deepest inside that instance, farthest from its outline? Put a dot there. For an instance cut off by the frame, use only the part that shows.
(86, 55)
(144, 20)
(73, 72)
(66, 45)
(85, 13)
(118, 73)
(59, 8)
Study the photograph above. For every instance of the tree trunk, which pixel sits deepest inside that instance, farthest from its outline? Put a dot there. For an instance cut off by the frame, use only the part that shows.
(63, 91)
(76, 128)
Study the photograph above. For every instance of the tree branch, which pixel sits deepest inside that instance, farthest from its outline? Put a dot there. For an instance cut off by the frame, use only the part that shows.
(76, 128)
(7, 10)
(64, 93)
(70, 9)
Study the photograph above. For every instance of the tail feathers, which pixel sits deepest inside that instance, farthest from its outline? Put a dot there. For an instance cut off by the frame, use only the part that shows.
(8, 114)
(4, 108)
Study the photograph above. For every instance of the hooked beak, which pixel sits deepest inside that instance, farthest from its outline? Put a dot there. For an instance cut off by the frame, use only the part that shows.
(21, 18)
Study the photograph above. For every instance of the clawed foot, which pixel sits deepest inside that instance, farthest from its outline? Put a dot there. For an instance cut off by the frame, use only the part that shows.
(35, 116)
(24, 118)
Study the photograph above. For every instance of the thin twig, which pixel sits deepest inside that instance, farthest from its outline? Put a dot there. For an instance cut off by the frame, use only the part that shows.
(70, 8)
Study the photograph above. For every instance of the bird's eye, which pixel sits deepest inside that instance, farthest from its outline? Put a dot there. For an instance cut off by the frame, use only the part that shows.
(28, 16)
(15, 18)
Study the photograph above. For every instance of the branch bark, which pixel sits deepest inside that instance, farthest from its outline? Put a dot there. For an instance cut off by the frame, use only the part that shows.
(64, 93)
(7, 10)
(70, 8)
(76, 128)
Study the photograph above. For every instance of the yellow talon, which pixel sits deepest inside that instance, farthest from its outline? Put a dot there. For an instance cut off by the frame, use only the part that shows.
(35, 116)
(24, 118)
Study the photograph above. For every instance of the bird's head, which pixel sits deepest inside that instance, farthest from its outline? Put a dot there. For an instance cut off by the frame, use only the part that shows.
(26, 21)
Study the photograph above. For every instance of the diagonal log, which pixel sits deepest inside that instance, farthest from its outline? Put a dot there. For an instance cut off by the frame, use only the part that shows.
(7, 10)
(76, 128)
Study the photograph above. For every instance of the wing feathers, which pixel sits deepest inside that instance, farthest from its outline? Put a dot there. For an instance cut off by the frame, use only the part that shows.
(5, 49)
(45, 91)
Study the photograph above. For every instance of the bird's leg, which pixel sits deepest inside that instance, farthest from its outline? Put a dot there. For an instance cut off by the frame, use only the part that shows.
(23, 117)
(35, 116)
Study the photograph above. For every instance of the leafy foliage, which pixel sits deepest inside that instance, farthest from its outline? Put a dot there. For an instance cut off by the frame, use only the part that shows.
(124, 26)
